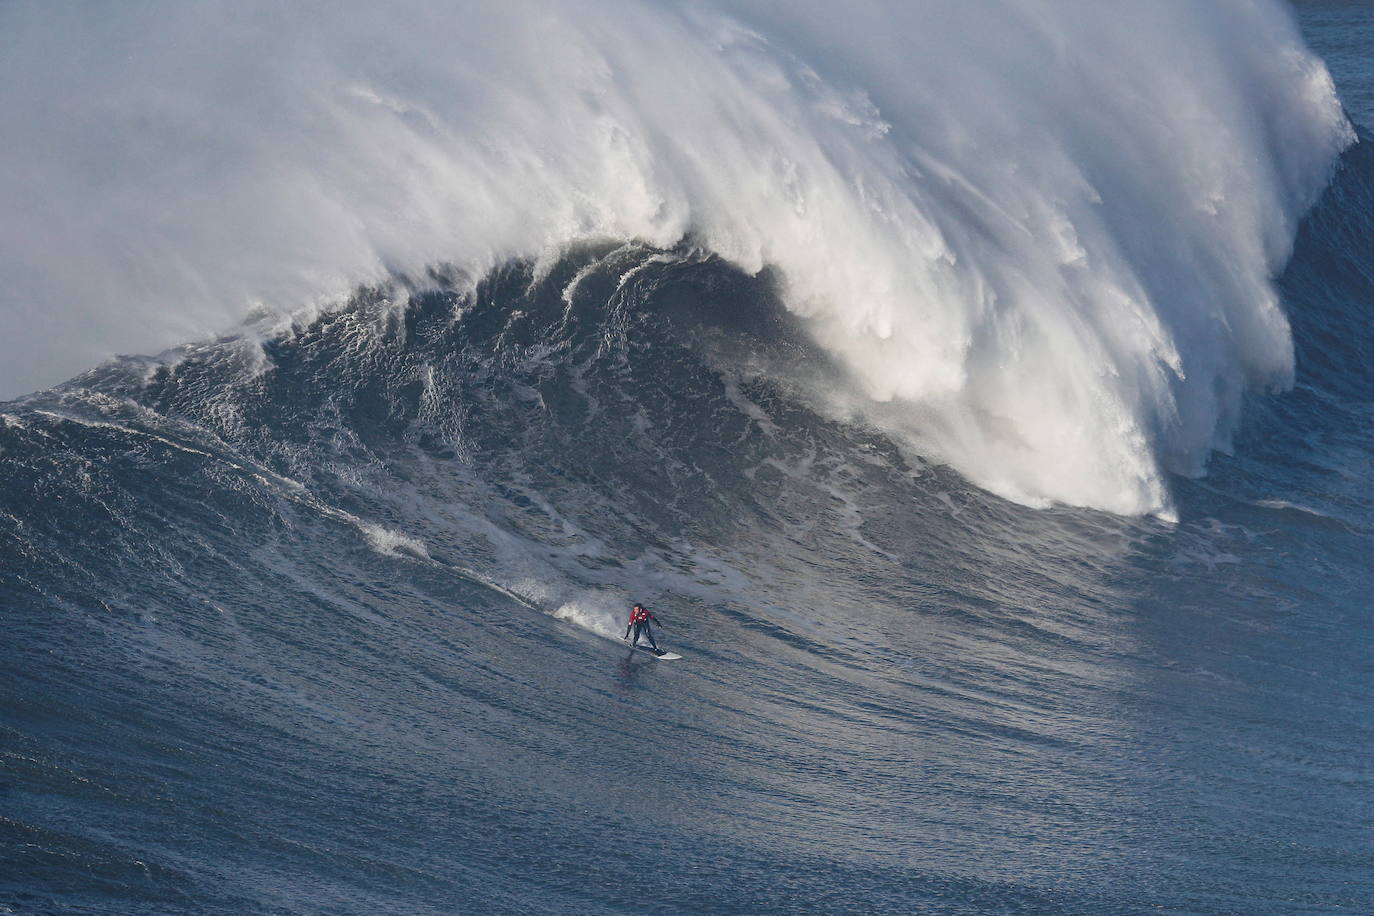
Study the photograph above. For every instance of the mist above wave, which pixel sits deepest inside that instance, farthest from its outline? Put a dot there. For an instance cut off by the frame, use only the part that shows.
(1038, 235)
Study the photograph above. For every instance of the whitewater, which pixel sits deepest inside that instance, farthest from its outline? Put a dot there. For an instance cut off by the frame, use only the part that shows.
(1039, 237)
(980, 393)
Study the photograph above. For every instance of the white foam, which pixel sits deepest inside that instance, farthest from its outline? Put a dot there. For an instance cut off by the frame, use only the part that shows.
(392, 543)
(595, 615)
(1041, 232)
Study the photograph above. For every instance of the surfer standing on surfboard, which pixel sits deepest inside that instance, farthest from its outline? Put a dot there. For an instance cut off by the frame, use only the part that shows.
(639, 622)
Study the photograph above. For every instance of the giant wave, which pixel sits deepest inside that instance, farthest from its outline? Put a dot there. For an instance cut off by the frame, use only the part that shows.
(1038, 238)
(321, 612)
(275, 632)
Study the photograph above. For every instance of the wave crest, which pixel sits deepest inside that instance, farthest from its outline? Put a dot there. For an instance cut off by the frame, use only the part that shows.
(1038, 235)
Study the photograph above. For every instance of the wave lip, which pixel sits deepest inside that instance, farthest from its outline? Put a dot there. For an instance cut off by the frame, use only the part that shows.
(1039, 237)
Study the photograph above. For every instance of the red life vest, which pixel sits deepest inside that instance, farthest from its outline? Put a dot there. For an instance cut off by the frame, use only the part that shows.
(639, 615)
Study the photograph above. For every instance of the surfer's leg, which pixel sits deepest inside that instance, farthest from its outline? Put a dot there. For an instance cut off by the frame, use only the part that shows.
(650, 633)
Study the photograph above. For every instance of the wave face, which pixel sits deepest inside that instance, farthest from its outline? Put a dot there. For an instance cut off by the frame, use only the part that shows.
(329, 617)
(323, 614)
(1038, 237)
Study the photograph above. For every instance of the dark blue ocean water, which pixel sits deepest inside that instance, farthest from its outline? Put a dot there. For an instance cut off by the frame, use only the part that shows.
(333, 637)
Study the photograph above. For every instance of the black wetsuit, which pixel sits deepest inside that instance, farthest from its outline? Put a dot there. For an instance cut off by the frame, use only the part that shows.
(640, 624)
(643, 627)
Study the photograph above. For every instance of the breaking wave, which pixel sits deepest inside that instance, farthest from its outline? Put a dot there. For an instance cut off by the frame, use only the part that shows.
(1035, 240)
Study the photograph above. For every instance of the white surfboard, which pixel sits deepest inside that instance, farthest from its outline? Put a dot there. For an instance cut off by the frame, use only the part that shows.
(665, 657)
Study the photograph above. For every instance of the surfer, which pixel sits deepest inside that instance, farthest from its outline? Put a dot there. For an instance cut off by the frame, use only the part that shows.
(639, 622)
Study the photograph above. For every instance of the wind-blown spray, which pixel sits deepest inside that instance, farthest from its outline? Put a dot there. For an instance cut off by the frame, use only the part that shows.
(1038, 236)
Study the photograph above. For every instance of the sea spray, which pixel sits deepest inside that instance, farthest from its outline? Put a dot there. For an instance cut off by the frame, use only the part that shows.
(1037, 236)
